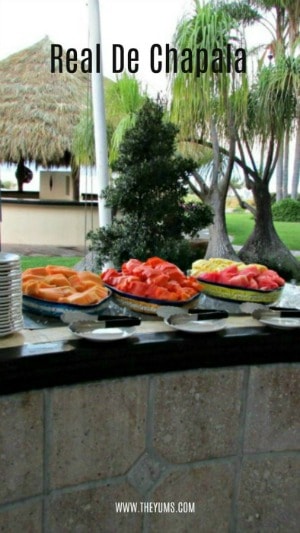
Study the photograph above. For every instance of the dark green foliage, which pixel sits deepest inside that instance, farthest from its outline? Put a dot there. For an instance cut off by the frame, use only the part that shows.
(240, 11)
(148, 196)
(124, 239)
(196, 217)
(286, 210)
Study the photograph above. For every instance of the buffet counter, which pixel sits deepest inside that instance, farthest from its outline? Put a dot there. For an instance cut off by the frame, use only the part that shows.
(194, 432)
(50, 354)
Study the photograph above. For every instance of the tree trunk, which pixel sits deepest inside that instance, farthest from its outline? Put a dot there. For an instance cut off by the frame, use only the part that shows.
(282, 168)
(296, 169)
(20, 184)
(264, 246)
(286, 159)
(242, 203)
(279, 173)
(219, 244)
(75, 173)
(23, 174)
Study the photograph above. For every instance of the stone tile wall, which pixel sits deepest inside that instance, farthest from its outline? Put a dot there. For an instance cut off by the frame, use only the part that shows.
(222, 443)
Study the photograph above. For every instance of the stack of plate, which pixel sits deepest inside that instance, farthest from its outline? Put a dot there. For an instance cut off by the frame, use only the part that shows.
(11, 318)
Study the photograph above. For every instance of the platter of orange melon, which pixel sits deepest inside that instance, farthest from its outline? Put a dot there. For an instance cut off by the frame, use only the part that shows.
(54, 289)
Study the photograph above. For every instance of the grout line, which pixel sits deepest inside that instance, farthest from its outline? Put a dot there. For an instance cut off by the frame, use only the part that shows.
(46, 473)
(240, 451)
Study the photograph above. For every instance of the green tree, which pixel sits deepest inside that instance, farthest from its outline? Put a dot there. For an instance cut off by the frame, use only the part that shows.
(283, 26)
(123, 98)
(271, 111)
(231, 114)
(206, 107)
(147, 196)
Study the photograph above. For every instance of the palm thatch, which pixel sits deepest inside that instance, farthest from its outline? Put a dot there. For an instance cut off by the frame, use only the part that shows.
(38, 109)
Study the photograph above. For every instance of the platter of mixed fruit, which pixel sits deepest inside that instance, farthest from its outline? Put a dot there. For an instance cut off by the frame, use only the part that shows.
(237, 281)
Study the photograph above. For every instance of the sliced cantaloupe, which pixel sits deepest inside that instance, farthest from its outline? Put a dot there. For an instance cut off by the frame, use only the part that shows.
(36, 271)
(90, 276)
(102, 292)
(31, 286)
(77, 283)
(58, 269)
(53, 294)
(30, 277)
(58, 280)
(63, 285)
(88, 297)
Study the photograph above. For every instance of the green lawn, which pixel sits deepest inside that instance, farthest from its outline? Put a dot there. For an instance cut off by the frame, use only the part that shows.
(37, 261)
(240, 225)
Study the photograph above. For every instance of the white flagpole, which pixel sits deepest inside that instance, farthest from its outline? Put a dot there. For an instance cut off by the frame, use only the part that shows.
(102, 172)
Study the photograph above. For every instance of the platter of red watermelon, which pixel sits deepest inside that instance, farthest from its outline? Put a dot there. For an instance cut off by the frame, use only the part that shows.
(149, 306)
(243, 283)
(144, 286)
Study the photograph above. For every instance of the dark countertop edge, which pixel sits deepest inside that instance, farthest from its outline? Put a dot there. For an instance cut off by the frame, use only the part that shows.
(50, 364)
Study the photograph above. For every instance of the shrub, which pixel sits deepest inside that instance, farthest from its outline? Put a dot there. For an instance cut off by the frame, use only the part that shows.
(125, 239)
(7, 184)
(286, 210)
(148, 195)
(196, 217)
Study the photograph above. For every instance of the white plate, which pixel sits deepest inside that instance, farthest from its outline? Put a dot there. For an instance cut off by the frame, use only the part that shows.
(9, 293)
(10, 280)
(103, 334)
(10, 273)
(12, 327)
(8, 257)
(196, 326)
(5, 271)
(10, 307)
(281, 322)
(10, 331)
(9, 317)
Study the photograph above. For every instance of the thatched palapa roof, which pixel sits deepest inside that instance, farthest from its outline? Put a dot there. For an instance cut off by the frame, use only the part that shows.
(38, 110)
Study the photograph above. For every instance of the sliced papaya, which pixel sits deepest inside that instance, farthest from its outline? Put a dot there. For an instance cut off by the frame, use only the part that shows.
(90, 277)
(88, 297)
(63, 285)
(53, 294)
(36, 271)
(58, 269)
(58, 280)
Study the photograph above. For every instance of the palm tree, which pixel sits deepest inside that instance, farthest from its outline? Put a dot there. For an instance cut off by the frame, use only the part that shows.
(123, 99)
(296, 167)
(284, 34)
(223, 112)
(271, 112)
(205, 106)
